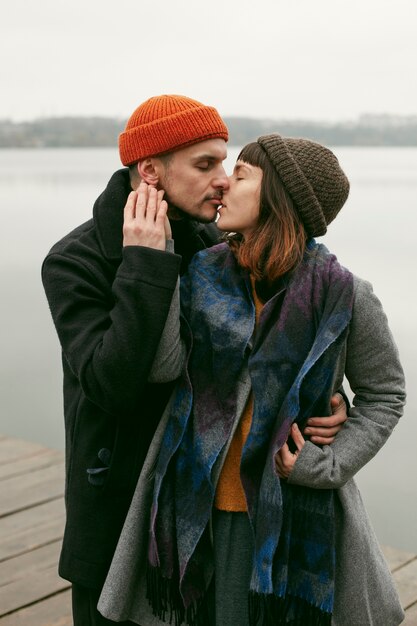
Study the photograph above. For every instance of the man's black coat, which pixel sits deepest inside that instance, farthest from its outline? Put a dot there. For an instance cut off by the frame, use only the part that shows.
(109, 305)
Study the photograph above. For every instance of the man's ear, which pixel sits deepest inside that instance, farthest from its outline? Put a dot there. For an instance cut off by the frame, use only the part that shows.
(148, 171)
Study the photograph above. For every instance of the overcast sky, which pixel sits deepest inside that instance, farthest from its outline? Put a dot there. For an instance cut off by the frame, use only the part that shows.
(314, 59)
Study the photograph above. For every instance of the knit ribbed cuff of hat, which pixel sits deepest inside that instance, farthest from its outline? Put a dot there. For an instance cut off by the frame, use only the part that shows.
(173, 132)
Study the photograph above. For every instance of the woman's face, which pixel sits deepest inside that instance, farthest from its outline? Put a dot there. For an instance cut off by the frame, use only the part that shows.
(239, 211)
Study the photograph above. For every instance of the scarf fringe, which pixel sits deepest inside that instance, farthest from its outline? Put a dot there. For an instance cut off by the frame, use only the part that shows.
(269, 610)
(264, 610)
(165, 599)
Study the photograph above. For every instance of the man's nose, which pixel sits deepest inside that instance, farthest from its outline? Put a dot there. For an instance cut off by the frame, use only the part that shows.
(221, 180)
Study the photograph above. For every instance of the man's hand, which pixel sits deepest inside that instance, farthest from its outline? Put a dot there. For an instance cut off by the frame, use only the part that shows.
(322, 430)
(284, 458)
(145, 218)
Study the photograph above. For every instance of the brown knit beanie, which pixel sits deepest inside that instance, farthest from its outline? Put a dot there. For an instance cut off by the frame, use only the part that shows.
(165, 123)
(312, 176)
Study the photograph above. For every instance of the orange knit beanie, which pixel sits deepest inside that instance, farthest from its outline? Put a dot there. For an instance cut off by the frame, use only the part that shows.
(166, 123)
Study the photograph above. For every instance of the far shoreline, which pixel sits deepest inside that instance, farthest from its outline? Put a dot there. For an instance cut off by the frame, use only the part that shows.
(102, 132)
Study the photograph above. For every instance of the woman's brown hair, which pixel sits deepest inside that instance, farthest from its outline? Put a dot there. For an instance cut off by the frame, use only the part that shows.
(277, 244)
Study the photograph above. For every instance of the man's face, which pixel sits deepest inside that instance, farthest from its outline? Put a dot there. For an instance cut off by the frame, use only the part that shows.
(194, 179)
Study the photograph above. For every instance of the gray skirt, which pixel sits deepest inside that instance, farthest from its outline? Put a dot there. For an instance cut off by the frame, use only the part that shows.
(233, 553)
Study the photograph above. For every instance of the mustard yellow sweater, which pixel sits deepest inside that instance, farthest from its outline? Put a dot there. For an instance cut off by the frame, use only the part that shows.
(229, 492)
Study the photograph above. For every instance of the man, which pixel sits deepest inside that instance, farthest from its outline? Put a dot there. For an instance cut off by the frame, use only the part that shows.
(109, 294)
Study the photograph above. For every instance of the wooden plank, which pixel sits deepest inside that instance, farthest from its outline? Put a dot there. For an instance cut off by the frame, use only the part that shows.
(24, 465)
(397, 558)
(30, 589)
(22, 492)
(24, 541)
(20, 566)
(29, 540)
(54, 611)
(30, 518)
(13, 449)
(406, 581)
(32, 528)
(410, 616)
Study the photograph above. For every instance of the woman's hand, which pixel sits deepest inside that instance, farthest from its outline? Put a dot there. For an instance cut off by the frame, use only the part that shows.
(145, 218)
(284, 458)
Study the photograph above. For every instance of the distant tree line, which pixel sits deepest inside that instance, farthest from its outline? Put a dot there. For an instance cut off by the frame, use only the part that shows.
(368, 130)
(60, 132)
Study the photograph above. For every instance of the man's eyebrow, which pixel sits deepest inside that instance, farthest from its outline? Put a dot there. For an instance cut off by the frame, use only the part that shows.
(207, 157)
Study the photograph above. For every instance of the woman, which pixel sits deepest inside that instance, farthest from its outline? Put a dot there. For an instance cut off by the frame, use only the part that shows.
(237, 519)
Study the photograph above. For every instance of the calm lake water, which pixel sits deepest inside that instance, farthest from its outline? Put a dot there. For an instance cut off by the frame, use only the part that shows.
(45, 193)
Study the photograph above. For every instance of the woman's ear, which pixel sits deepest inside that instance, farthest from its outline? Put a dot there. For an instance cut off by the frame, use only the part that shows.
(148, 172)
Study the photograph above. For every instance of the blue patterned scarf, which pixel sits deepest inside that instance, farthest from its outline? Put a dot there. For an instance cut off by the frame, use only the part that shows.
(291, 365)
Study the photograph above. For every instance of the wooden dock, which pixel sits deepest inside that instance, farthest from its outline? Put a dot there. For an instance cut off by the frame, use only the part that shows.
(31, 526)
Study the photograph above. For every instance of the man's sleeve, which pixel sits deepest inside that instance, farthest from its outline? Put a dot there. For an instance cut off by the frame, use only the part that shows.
(109, 332)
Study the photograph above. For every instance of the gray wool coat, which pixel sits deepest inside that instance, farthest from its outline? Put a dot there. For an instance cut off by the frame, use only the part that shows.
(365, 593)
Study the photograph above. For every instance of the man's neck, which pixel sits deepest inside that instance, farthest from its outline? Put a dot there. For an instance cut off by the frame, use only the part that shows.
(175, 214)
